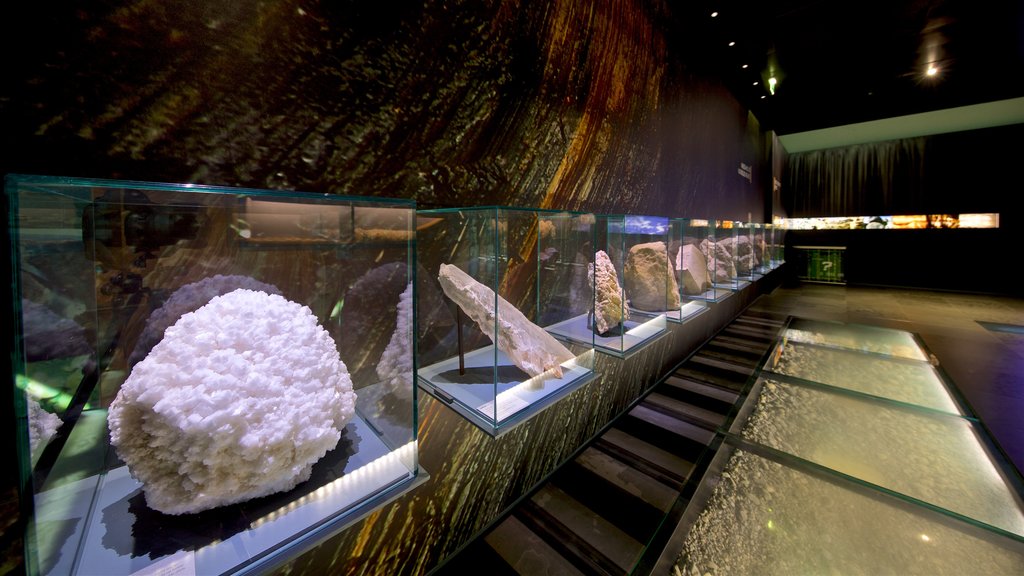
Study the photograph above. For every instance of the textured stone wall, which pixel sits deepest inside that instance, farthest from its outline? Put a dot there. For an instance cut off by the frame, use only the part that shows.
(596, 106)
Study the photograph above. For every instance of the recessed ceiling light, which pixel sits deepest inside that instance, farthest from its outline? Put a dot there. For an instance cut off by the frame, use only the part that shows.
(744, 66)
(714, 14)
(762, 96)
(932, 70)
(732, 43)
(755, 83)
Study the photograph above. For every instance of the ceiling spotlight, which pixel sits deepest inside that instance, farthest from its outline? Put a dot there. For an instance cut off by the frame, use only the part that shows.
(744, 66)
(763, 96)
(932, 70)
(714, 14)
(771, 85)
(732, 43)
(756, 82)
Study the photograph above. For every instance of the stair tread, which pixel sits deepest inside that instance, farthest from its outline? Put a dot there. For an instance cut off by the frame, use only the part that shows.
(583, 522)
(710, 418)
(629, 478)
(524, 551)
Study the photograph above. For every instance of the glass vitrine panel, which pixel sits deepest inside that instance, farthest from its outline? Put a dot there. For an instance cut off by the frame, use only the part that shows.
(167, 338)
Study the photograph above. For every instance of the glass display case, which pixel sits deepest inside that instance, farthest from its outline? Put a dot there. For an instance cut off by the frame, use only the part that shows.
(206, 379)
(701, 235)
(733, 255)
(778, 245)
(506, 309)
(769, 247)
(635, 287)
(744, 251)
(690, 266)
(854, 455)
(759, 238)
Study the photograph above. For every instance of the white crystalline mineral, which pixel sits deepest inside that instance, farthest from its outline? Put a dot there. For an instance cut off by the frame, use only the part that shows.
(239, 400)
(395, 366)
(528, 346)
(189, 298)
(608, 307)
(42, 425)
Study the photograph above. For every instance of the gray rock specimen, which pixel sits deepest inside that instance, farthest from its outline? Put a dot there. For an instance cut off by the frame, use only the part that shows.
(725, 269)
(649, 278)
(238, 400)
(693, 269)
(609, 309)
(47, 335)
(529, 347)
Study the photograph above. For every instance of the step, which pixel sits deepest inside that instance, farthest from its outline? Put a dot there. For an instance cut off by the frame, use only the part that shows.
(653, 433)
(681, 411)
(628, 478)
(612, 502)
(566, 518)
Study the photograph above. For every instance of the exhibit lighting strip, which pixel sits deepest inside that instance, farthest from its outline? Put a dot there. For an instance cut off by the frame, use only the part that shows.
(904, 222)
(359, 483)
(511, 401)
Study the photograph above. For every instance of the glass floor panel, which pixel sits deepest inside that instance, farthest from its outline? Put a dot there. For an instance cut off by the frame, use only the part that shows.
(897, 379)
(856, 337)
(756, 515)
(931, 456)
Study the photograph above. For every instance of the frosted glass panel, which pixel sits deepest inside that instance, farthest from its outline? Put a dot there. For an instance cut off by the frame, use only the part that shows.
(763, 517)
(856, 337)
(900, 380)
(929, 456)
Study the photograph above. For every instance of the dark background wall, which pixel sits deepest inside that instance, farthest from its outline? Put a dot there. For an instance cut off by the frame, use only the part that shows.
(959, 172)
(597, 106)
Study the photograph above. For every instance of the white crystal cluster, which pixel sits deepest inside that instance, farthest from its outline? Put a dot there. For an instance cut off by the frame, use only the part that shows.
(188, 298)
(42, 425)
(395, 367)
(239, 400)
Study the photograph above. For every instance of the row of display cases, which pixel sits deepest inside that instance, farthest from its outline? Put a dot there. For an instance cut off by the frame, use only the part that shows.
(207, 378)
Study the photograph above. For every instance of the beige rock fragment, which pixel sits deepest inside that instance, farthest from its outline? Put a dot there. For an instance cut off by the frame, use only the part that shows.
(529, 346)
(609, 310)
(649, 278)
(693, 269)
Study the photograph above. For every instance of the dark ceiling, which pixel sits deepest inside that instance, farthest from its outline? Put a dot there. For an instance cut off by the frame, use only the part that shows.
(839, 62)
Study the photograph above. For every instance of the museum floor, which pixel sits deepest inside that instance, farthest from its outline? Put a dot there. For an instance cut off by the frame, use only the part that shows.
(591, 516)
(978, 340)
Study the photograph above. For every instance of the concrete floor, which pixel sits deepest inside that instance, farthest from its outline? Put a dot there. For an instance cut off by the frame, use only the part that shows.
(986, 365)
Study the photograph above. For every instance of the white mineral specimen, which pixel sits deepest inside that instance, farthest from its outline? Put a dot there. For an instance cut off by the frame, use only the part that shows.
(188, 298)
(42, 425)
(239, 400)
(609, 310)
(693, 269)
(528, 346)
(395, 366)
(649, 278)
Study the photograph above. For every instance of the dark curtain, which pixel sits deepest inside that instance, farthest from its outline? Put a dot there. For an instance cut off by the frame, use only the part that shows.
(861, 180)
